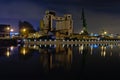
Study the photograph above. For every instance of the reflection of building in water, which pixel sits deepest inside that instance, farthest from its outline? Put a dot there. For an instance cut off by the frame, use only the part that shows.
(91, 49)
(25, 52)
(103, 50)
(61, 59)
(111, 48)
(6, 51)
(81, 48)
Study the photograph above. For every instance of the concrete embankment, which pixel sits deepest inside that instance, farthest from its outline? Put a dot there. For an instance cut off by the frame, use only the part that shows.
(72, 42)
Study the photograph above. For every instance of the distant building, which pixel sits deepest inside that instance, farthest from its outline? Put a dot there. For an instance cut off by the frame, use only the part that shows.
(4, 30)
(51, 22)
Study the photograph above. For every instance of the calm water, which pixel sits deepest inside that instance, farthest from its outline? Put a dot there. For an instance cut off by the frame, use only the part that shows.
(60, 62)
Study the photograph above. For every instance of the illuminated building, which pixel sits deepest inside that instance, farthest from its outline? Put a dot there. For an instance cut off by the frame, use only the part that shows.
(4, 30)
(63, 24)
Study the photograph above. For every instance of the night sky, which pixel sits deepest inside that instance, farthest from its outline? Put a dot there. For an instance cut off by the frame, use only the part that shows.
(100, 14)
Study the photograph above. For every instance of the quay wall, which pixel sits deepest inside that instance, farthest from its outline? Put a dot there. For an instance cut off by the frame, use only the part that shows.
(72, 42)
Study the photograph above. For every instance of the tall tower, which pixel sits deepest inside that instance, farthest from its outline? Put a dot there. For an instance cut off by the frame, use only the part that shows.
(84, 24)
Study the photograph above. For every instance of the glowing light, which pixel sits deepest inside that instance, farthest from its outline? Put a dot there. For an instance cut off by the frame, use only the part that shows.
(81, 49)
(11, 30)
(45, 45)
(40, 45)
(24, 51)
(34, 46)
(95, 46)
(81, 32)
(8, 28)
(11, 48)
(8, 52)
(63, 45)
(24, 30)
(91, 47)
(103, 51)
(105, 32)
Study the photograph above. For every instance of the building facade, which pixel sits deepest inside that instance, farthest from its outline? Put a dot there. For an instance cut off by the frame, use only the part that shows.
(4, 31)
(62, 24)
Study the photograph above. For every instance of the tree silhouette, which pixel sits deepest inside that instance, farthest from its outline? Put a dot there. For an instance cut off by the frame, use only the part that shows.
(27, 26)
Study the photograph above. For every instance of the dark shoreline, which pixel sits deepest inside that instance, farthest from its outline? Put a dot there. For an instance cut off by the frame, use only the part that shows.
(8, 42)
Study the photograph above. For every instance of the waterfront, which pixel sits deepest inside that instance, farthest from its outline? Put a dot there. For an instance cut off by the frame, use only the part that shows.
(60, 62)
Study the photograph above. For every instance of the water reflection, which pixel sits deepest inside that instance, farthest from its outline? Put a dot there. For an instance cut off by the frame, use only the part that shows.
(103, 50)
(81, 47)
(74, 59)
(6, 51)
(58, 53)
(57, 57)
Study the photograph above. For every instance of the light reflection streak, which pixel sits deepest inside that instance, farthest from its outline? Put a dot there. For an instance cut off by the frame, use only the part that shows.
(63, 57)
(8, 52)
(111, 47)
(11, 48)
(81, 49)
(24, 50)
(103, 50)
(34, 46)
(91, 49)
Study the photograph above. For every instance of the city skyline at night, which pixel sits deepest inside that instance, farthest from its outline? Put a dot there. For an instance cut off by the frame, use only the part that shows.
(100, 14)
